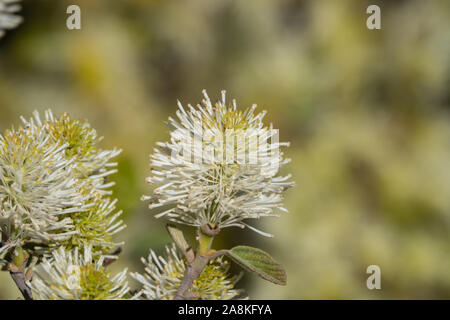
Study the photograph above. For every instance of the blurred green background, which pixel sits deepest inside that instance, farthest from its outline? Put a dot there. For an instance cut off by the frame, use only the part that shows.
(366, 112)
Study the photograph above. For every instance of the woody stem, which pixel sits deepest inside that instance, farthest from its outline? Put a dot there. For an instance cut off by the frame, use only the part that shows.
(20, 281)
(197, 266)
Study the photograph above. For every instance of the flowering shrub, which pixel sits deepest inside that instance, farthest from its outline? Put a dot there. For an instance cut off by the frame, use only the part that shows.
(58, 218)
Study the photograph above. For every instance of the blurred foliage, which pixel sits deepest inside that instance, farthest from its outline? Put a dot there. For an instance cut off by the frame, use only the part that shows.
(367, 114)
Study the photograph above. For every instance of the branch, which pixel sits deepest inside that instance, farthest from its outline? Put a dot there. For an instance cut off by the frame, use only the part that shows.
(20, 280)
(205, 238)
(17, 267)
(192, 272)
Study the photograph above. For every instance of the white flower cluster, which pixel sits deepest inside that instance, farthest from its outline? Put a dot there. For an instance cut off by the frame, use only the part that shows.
(8, 17)
(36, 187)
(82, 140)
(213, 179)
(164, 275)
(53, 187)
(70, 275)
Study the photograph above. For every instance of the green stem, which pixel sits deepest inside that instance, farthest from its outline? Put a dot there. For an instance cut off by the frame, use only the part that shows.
(204, 243)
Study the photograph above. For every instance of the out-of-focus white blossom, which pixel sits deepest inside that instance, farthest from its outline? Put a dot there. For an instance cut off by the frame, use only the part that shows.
(163, 276)
(8, 17)
(220, 167)
(72, 275)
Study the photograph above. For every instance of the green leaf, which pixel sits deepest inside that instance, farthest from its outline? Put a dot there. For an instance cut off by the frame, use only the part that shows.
(259, 262)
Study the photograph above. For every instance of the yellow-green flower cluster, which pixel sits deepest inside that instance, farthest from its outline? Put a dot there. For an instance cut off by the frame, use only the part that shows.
(98, 222)
(70, 275)
(38, 191)
(82, 146)
(163, 276)
(54, 187)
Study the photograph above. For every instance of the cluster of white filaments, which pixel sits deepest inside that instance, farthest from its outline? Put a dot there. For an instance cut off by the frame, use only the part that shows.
(72, 275)
(8, 17)
(53, 187)
(163, 276)
(36, 187)
(220, 167)
(81, 139)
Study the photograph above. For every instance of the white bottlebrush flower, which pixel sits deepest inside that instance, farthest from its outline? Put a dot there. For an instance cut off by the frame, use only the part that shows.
(98, 221)
(163, 276)
(70, 275)
(219, 167)
(8, 17)
(96, 225)
(90, 162)
(37, 189)
(53, 186)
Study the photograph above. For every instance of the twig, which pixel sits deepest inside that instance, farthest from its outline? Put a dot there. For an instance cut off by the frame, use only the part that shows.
(205, 238)
(192, 272)
(17, 272)
(20, 280)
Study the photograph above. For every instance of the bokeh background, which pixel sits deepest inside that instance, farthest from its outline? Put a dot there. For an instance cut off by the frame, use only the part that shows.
(366, 112)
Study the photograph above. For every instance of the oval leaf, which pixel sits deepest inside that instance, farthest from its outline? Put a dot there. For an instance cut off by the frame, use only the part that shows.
(259, 262)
